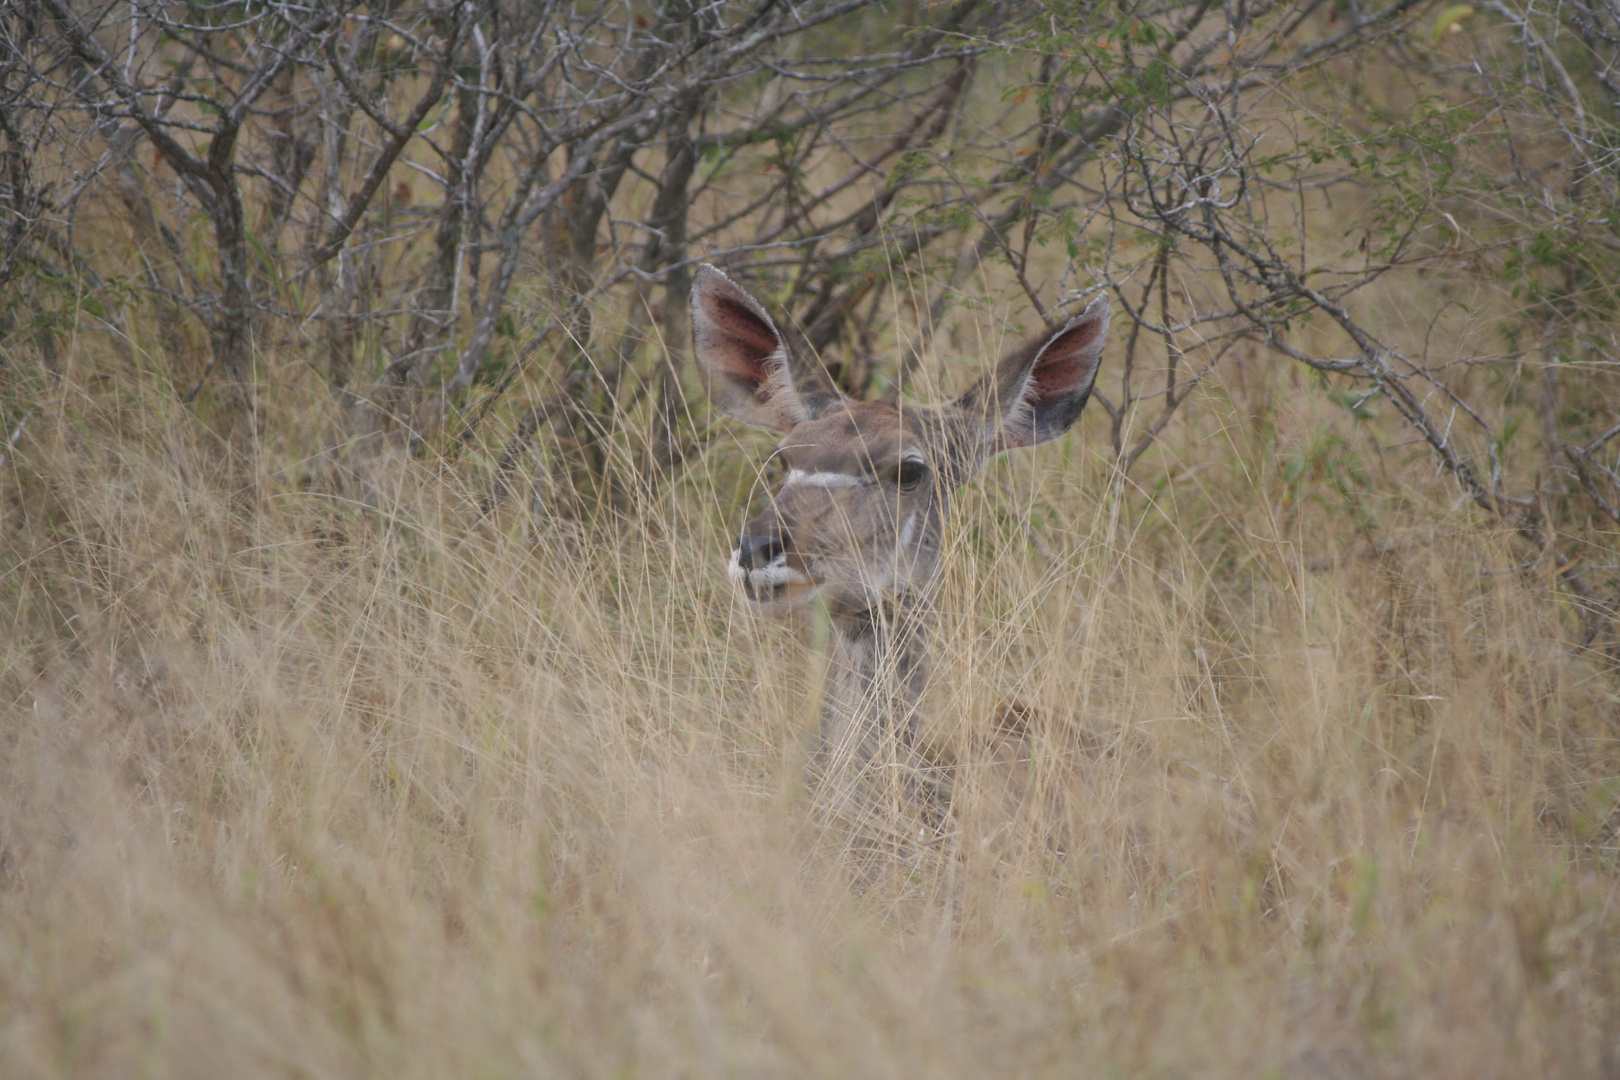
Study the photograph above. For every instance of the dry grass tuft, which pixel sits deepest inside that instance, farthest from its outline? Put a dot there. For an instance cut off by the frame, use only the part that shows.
(1317, 784)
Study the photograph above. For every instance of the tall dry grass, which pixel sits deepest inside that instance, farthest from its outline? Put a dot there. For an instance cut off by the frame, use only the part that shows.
(339, 779)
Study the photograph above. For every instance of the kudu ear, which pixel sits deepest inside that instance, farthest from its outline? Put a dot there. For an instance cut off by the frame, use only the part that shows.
(1036, 392)
(748, 368)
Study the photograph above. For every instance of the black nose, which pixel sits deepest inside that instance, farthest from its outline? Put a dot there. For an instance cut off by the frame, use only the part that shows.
(757, 551)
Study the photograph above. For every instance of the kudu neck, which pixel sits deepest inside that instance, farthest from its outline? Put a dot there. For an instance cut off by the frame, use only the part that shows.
(878, 671)
(890, 622)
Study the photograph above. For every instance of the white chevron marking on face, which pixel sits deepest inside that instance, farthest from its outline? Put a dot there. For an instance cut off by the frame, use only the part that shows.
(823, 479)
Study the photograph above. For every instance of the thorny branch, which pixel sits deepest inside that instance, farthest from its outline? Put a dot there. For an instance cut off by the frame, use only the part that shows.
(418, 187)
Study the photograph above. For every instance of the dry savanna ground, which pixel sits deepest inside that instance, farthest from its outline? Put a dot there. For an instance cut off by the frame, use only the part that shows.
(338, 779)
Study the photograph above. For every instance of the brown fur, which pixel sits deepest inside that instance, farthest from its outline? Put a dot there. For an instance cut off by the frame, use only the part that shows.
(859, 523)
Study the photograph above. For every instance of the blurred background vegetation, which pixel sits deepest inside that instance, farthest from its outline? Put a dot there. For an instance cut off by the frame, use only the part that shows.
(371, 696)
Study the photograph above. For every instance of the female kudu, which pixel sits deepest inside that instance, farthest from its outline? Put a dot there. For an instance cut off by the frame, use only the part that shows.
(858, 524)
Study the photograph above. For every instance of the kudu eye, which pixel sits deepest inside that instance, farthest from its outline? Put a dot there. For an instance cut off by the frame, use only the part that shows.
(910, 474)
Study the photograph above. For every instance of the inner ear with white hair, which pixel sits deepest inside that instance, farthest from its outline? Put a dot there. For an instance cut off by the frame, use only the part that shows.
(750, 371)
(1036, 393)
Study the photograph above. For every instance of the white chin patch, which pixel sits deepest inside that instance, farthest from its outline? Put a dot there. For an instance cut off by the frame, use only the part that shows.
(761, 583)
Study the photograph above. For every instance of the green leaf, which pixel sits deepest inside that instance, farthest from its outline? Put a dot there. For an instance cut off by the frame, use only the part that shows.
(1354, 404)
(1449, 20)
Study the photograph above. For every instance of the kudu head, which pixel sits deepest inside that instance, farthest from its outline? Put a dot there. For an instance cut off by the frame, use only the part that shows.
(859, 519)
